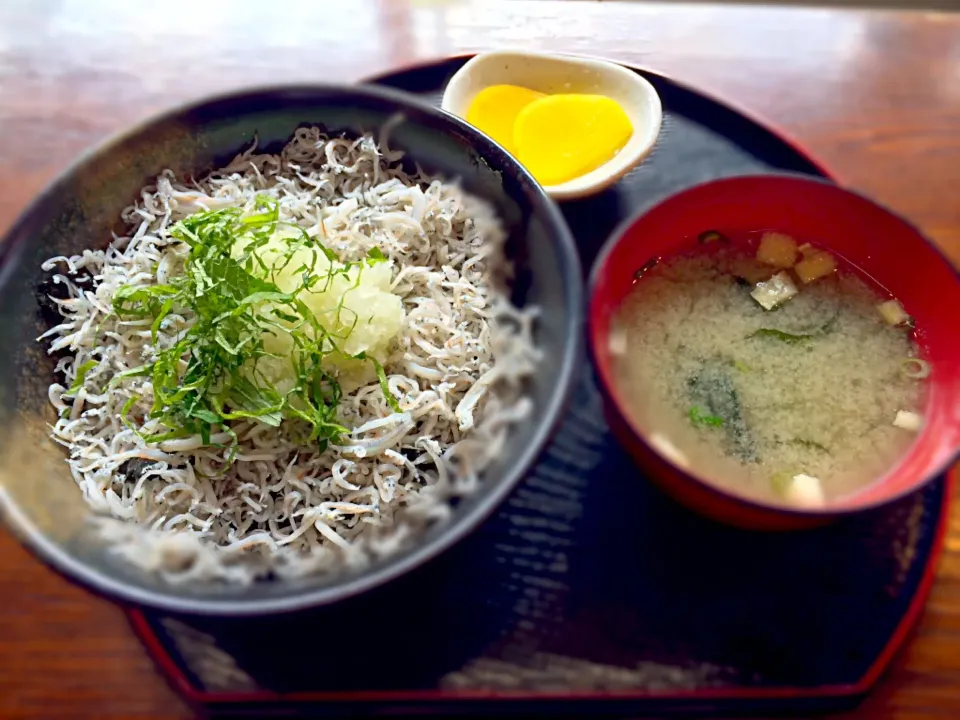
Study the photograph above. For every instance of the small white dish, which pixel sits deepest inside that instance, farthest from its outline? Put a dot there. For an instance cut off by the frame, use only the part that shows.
(567, 74)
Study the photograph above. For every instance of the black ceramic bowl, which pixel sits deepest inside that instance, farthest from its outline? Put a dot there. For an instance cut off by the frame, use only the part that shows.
(38, 496)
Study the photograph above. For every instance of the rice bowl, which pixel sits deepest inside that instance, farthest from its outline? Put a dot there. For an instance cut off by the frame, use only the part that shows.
(388, 503)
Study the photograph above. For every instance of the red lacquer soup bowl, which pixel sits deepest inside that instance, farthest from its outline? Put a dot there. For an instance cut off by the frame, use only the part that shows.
(894, 254)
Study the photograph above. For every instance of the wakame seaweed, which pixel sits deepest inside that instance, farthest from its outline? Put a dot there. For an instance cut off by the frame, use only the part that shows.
(810, 445)
(712, 388)
(782, 336)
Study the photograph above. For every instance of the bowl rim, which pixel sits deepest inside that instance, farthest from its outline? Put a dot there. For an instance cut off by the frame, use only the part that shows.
(613, 396)
(490, 498)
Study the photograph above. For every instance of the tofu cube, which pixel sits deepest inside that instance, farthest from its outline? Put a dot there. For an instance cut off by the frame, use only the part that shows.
(617, 341)
(805, 491)
(908, 421)
(893, 313)
(774, 291)
(778, 250)
(815, 265)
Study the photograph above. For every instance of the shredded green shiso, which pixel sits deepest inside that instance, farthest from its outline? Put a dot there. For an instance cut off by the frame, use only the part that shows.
(209, 376)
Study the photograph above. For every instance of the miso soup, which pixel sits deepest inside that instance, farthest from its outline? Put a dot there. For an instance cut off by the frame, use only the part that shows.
(769, 369)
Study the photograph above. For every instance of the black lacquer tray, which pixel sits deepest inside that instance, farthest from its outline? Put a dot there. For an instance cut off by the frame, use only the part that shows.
(586, 594)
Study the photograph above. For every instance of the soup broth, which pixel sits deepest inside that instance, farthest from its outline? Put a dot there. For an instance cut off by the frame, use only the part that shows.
(794, 404)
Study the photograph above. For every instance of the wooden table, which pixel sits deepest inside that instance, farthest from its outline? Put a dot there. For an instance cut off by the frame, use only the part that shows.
(875, 96)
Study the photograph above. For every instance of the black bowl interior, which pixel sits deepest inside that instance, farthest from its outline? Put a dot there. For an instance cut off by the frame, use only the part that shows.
(80, 209)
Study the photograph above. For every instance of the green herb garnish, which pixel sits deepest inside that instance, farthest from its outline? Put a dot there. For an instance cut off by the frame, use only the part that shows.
(375, 255)
(210, 375)
(698, 416)
(80, 377)
(125, 411)
(382, 379)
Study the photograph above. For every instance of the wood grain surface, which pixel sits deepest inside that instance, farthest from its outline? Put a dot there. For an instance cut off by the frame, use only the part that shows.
(875, 96)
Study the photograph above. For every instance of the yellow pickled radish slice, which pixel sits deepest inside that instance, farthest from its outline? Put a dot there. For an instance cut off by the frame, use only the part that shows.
(561, 137)
(494, 111)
